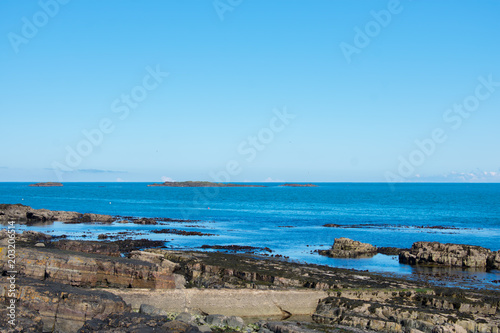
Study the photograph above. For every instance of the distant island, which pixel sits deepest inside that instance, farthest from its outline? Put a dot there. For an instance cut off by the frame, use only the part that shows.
(46, 184)
(300, 185)
(202, 184)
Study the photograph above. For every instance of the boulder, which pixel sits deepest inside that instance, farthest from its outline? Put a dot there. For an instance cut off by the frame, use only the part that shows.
(348, 248)
(457, 255)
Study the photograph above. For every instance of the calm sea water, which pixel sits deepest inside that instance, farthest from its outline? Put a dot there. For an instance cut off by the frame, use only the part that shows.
(288, 220)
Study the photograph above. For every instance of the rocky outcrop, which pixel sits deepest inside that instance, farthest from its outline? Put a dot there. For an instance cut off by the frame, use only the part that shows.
(85, 270)
(397, 311)
(457, 255)
(58, 307)
(26, 214)
(348, 248)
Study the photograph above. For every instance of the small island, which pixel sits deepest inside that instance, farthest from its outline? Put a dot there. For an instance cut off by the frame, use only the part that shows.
(299, 185)
(46, 184)
(202, 184)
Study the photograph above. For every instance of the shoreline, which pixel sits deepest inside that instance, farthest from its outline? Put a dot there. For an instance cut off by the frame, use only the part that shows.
(159, 281)
(179, 234)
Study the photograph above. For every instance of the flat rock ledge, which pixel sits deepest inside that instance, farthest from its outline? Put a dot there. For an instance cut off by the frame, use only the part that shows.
(348, 248)
(456, 255)
(25, 214)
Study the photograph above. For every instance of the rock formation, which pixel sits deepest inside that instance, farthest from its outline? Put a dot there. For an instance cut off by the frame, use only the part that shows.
(348, 248)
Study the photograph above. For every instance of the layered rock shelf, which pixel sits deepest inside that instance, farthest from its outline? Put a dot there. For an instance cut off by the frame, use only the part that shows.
(47, 184)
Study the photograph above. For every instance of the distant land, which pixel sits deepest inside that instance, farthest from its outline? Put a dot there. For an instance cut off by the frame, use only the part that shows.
(202, 184)
(299, 185)
(47, 184)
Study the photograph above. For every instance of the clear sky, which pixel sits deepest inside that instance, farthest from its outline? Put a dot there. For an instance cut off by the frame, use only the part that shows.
(256, 90)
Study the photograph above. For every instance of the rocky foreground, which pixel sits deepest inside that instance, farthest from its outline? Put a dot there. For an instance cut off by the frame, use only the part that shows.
(78, 286)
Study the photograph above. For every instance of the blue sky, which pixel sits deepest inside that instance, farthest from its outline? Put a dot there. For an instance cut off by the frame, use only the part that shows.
(233, 71)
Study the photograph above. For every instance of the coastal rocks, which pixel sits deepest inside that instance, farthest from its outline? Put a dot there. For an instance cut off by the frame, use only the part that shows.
(145, 221)
(22, 213)
(348, 248)
(426, 311)
(58, 307)
(220, 320)
(47, 184)
(457, 255)
(84, 270)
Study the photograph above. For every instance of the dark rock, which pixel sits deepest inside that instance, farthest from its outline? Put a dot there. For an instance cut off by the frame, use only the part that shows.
(46, 184)
(145, 221)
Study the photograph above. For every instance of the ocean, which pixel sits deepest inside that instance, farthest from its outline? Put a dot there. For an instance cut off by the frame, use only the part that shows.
(288, 220)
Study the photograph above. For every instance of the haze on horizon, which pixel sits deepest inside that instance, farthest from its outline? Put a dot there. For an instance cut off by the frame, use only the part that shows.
(348, 91)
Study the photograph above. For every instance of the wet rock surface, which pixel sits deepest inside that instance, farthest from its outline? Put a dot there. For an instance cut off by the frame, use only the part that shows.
(457, 255)
(348, 248)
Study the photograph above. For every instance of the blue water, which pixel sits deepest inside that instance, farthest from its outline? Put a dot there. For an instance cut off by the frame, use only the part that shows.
(256, 216)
